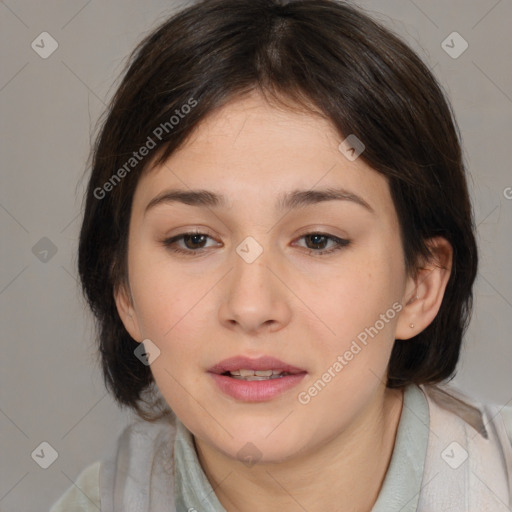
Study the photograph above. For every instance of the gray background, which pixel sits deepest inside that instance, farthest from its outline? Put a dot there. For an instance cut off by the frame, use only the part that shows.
(50, 386)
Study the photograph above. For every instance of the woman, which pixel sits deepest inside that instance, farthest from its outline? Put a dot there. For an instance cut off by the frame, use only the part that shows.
(279, 248)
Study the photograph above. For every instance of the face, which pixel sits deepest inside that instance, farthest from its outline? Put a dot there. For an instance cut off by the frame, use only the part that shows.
(296, 256)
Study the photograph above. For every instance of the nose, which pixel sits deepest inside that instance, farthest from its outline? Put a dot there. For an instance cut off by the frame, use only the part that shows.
(255, 300)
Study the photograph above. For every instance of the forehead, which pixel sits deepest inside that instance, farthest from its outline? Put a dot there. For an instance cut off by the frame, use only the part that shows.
(252, 152)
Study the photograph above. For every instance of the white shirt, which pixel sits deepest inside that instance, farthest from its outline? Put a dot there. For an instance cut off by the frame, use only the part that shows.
(403, 489)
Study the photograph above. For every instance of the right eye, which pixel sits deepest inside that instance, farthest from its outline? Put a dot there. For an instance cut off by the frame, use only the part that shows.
(193, 243)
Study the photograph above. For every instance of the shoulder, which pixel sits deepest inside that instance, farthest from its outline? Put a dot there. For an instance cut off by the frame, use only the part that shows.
(141, 448)
(471, 444)
(474, 412)
(84, 494)
(506, 414)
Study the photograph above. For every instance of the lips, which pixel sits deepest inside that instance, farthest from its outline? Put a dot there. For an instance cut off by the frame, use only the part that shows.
(259, 364)
(244, 388)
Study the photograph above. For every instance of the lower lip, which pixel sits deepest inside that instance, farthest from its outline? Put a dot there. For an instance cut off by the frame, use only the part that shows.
(256, 390)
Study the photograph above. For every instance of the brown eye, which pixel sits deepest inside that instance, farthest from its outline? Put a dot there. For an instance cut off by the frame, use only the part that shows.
(320, 243)
(189, 244)
(317, 241)
(194, 241)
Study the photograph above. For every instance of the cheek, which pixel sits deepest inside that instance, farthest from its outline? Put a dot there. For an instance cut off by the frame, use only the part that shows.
(166, 298)
(361, 307)
(356, 295)
(172, 311)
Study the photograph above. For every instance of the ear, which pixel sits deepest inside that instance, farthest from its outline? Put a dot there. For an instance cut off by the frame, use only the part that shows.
(126, 310)
(425, 290)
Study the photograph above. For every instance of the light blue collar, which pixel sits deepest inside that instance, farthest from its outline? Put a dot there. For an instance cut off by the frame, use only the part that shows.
(402, 484)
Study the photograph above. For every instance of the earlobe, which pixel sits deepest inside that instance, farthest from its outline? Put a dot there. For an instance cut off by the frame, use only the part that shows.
(126, 311)
(425, 291)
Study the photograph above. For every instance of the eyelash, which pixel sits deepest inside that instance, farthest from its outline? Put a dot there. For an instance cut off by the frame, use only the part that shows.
(169, 243)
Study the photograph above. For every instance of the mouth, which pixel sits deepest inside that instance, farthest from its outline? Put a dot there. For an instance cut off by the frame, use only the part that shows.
(255, 380)
(261, 368)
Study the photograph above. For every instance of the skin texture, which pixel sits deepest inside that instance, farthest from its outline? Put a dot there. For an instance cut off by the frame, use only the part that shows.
(292, 303)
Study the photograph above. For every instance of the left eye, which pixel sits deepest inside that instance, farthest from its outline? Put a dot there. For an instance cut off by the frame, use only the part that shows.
(318, 242)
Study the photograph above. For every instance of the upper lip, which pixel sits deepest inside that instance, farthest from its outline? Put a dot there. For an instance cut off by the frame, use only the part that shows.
(260, 363)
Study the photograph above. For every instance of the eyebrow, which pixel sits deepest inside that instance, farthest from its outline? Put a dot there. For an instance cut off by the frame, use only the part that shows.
(288, 201)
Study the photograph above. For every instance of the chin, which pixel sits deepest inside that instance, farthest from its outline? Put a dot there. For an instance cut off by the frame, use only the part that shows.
(262, 451)
(264, 442)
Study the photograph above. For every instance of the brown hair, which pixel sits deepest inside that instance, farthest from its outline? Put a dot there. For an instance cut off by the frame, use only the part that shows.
(326, 56)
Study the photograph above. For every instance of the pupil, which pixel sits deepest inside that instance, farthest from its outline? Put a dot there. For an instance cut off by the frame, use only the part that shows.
(196, 239)
(317, 240)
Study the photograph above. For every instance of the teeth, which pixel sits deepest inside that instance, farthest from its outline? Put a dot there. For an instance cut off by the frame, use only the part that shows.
(255, 377)
(258, 373)
(264, 373)
(248, 375)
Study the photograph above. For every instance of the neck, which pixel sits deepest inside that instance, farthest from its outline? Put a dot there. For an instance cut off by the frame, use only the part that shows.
(344, 473)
